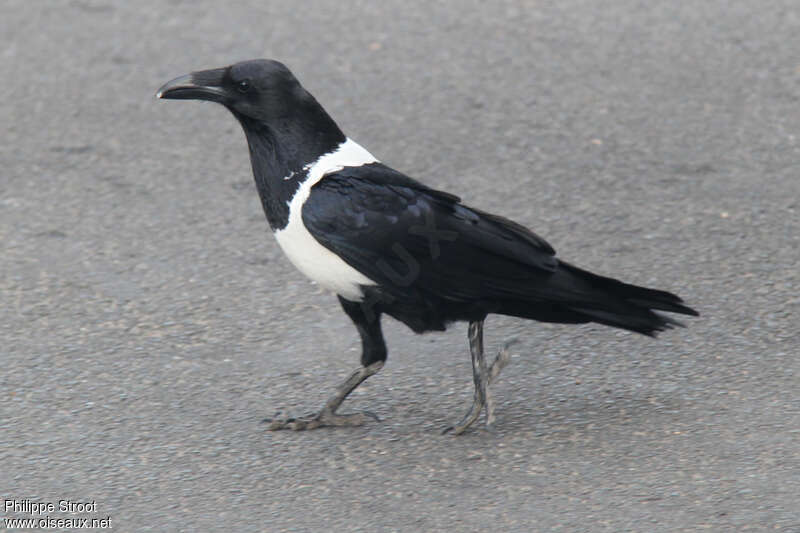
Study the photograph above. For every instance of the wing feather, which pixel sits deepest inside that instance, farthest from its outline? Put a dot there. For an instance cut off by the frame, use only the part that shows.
(407, 236)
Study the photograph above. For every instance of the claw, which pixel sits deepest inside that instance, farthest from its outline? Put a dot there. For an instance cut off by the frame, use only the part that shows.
(375, 417)
(324, 418)
(269, 420)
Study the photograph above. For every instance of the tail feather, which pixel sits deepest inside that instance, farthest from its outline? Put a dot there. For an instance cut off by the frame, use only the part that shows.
(626, 306)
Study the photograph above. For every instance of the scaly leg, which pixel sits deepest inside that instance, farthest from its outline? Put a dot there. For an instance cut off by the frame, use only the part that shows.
(327, 416)
(482, 377)
(373, 357)
(502, 359)
(479, 377)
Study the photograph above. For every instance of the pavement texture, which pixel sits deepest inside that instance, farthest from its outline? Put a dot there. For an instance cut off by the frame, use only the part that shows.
(149, 321)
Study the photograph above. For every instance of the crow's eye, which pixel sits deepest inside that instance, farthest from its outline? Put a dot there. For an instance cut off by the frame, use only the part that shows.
(243, 86)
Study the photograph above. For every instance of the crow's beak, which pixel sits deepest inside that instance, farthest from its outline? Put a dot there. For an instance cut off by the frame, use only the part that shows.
(201, 85)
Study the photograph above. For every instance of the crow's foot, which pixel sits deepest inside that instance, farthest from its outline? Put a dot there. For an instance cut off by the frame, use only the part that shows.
(327, 416)
(324, 418)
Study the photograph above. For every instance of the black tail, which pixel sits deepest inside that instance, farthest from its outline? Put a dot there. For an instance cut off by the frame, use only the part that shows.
(614, 303)
(574, 295)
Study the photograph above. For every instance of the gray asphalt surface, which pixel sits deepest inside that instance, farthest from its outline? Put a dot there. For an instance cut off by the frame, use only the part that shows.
(149, 320)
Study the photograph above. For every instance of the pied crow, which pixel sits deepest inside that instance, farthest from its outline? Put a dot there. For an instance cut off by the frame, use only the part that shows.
(388, 244)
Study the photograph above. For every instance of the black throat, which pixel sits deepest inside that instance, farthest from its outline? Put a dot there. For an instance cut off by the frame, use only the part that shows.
(280, 152)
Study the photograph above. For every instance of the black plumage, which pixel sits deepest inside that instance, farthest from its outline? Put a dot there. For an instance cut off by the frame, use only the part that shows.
(388, 244)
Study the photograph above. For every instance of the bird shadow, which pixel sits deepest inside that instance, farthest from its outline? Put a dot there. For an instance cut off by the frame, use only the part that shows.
(537, 415)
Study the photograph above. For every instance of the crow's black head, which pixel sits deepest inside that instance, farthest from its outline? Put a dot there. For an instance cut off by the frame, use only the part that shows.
(259, 89)
(286, 128)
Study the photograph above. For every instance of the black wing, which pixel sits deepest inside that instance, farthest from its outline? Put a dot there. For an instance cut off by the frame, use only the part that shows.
(405, 236)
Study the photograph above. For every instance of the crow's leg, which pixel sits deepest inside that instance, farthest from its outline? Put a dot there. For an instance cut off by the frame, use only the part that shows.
(327, 416)
(502, 359)
(373, 357)
(482, 376)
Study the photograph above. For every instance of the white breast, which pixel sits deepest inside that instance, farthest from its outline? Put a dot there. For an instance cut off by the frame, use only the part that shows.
(302, 249)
